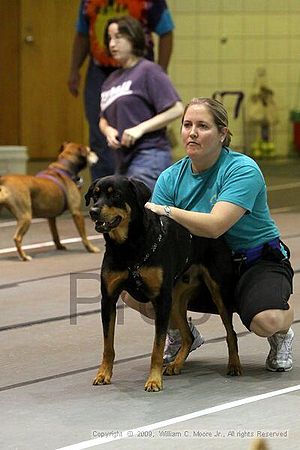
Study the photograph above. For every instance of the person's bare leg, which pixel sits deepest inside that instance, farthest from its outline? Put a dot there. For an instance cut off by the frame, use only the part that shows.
(146, 309)
(269, 322)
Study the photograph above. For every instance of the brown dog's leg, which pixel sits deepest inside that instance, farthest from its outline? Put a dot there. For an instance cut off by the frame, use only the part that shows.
(104, 373)
(234, 365)
(79, 222)
(54, 232)
(23, 224)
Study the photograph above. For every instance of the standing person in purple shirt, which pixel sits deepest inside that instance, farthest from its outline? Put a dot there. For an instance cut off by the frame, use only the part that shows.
(154, 17)
(137, 102)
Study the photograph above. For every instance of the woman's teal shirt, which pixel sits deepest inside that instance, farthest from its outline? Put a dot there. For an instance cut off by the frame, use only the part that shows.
(234, 178)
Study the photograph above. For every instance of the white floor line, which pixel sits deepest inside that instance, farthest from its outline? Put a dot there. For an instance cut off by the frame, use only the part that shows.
(284, 186)
(48, 244)
(13, 223)
(284, 209)
(165, 423)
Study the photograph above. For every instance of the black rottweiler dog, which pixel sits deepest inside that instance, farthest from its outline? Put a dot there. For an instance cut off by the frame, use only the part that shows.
(155, 259)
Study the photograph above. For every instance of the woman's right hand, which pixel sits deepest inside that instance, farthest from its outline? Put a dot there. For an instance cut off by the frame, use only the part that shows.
(112, 138)
(74, 82)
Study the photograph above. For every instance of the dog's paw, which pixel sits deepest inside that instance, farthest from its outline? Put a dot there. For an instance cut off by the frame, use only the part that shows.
(172, 369)
(25, 258)
(60, 247)
(101, 379)
(93, 249)
(103, 376)
(153, 385)
(234, 370)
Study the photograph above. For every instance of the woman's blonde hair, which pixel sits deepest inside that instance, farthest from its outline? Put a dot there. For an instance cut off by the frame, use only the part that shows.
(218, 112)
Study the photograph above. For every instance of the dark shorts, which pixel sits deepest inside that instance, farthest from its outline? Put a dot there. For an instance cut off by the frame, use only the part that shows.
(264, 285)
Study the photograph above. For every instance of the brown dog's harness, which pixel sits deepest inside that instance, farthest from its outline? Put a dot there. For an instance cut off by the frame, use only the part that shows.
(134, 271)
(45, 174)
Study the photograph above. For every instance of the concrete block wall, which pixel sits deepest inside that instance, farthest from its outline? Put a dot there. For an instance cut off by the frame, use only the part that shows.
(220, 45)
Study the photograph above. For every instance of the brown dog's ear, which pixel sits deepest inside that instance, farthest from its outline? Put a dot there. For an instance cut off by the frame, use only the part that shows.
(62, 146)
(143, 193)
(83, 150)
(89, 193)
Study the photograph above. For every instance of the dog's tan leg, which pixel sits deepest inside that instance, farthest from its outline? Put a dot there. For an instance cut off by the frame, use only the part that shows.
(19, 204)
(154, 382)
(234, 365)
(174, 368)
(79, 222)
(54, 232)
(180, 297)
(105, 370)
(23, 224)
(162, 305)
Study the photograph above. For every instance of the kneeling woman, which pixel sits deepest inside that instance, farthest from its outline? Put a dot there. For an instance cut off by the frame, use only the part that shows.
(216, 191)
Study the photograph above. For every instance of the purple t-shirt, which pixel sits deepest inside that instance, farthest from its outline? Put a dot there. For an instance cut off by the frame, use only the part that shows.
(131, 96)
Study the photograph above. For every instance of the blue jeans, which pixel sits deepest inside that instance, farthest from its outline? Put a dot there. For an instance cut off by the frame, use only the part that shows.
(95, 77)
(148, 164)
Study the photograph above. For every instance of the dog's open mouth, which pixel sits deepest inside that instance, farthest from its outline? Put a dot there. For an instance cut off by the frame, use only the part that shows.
(106, 227)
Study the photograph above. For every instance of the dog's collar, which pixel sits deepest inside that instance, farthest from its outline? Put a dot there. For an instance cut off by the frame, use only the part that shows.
(62, 171)
(134, 271)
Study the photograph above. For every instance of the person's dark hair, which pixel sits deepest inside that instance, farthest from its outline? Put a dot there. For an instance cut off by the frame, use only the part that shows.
(132, 30)
(218, 112)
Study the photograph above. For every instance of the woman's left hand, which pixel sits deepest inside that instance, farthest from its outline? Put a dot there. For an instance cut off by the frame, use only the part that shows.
(157, 209)
(131, 135)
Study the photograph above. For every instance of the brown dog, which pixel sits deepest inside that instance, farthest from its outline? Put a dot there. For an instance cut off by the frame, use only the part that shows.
(48, 194)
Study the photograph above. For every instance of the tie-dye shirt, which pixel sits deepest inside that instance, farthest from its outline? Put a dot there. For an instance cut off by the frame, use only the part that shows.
(154, 16)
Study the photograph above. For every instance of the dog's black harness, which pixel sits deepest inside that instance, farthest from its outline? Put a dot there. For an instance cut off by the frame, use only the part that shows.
(134, 271)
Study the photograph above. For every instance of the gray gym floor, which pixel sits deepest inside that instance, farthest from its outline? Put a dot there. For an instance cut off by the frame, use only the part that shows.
(48, 360)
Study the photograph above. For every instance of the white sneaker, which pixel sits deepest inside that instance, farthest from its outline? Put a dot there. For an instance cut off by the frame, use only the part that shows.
(280, 356)
(173, 342)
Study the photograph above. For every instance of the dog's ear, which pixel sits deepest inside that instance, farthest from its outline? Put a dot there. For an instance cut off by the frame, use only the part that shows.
(84, 150)
(61, 148)
(143, 193)
(89, 193)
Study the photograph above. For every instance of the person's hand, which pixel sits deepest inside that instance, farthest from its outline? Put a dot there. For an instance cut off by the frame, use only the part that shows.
(73, 83)
(131, 135)
(112, 138)
(157, 209)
